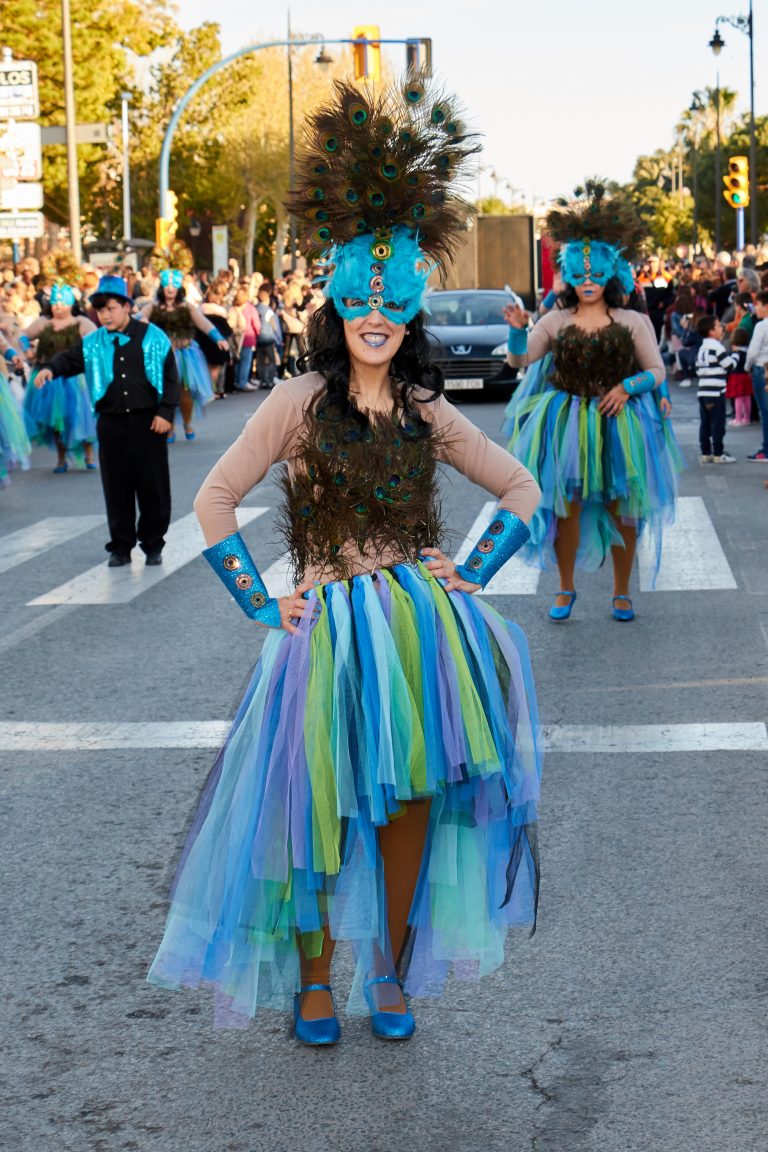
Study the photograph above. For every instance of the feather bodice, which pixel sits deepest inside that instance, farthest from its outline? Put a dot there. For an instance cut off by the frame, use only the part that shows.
(175, 322)
(367, 487)
(591, 363)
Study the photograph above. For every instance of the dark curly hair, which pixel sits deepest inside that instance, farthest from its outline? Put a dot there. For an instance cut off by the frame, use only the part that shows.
(613, 296)
(411, 366)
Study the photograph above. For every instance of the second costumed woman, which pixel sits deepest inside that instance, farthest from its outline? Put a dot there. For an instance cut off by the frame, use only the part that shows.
(379, 783)
(179, 320)
(585, 420)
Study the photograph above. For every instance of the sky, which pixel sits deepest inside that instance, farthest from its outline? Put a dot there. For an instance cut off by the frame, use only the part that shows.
(560, 90)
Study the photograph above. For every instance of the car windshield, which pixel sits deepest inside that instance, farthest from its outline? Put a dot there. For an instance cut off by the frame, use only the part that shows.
(466, 308)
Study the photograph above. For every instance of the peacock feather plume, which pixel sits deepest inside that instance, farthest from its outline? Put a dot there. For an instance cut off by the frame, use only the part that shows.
(596, 214)
(370, 163)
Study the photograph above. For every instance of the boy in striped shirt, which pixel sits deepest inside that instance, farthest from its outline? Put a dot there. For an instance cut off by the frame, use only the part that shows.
(713, 364)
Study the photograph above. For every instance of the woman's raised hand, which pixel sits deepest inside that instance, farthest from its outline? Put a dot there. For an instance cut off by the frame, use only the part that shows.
(516, 316)
(293, 607)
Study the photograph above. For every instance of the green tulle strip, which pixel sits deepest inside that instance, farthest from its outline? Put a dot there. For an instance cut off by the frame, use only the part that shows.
(406, 640)
(319, 745)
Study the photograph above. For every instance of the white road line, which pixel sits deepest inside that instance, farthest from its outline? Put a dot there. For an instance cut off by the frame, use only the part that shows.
(515, 578)
(18, 736)
(103, 585)
(18, 547)
(726, 737)
(692, 558)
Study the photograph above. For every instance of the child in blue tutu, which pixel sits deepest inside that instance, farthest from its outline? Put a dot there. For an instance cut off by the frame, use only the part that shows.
(380, 781)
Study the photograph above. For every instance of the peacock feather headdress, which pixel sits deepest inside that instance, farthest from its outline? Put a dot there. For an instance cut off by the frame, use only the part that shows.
(598, 232)
(378, 192)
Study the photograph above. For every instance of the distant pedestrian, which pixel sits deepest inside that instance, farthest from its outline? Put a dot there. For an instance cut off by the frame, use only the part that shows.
(713, 362)
(757, 358)
(739, 386)
(269, 337)
(245, 323)
(134, 385)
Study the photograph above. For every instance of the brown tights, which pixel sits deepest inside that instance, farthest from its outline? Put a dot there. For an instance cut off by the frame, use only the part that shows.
(402, 847)
(566, 546)
(187, 408)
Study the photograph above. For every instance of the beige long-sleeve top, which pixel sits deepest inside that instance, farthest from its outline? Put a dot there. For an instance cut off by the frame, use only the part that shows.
(543, 335)
(272, 434)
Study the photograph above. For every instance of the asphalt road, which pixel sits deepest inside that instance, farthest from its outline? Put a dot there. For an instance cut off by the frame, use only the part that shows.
(634, 1019)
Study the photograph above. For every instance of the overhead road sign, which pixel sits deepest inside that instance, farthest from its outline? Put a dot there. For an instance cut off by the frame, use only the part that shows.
(19, 99)
(21, 225)
(84, 134)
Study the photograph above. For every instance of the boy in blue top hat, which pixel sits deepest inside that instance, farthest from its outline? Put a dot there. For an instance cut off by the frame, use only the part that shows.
(134, 386)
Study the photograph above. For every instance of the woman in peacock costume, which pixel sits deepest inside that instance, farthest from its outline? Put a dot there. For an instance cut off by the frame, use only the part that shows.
(60, 415)
(380, 780)
(585, 420)
(179, 319)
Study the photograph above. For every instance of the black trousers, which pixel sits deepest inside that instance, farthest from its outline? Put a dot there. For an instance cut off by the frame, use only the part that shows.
(712, 425)
(134, 469)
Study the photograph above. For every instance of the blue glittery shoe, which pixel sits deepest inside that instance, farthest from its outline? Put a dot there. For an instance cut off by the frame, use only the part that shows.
(388, 1025)
(315, 1033)
(623, 614)
(562, 613)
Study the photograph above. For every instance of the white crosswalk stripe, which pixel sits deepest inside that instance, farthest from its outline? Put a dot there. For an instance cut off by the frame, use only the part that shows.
(19, 547)
(692, 558)
(103, 585)
(18, 736)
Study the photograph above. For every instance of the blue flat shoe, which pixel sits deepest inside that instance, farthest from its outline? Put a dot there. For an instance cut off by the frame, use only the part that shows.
(388, 1025)
(623, 614)
(60, 469)
(315, 1033)
(91, 467)
(170, 438)
(558, 613)
(189, 434)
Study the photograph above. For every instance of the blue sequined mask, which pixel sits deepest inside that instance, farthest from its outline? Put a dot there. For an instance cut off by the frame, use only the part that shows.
(171, 278)
(589, 260)
(385, 272)
(63, 294)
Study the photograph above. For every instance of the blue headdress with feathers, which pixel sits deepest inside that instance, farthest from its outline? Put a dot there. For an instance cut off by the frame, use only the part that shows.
(596, 231)
(377, 194)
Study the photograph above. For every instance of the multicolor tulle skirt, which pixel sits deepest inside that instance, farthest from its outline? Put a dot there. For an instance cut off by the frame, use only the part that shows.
(194, 374)
(623, 466)
(393, 691)
(14, 442)
(60, 412)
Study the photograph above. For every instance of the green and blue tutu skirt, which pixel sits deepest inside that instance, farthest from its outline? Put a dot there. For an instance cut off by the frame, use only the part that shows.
(392, 691)
(14, 442)
(194, 374)
(61, 411)
(623, 466)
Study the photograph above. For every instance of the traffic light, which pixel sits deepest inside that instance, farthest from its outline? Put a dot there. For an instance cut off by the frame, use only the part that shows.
(162, 239)
(171, 213)
(367, 56)
(418, 56)
(737, 182)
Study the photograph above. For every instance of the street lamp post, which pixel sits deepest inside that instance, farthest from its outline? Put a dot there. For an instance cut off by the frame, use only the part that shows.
(125, 98)
(291, 141)
(716, 44)
(746, 25)
(71, 122)
(696, 106)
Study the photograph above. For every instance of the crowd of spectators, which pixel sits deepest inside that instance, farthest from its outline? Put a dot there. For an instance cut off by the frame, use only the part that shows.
(262, 320)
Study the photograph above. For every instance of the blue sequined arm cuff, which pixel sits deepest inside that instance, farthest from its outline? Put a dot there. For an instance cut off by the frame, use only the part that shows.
(517, 341)
(215, 335)
(664, 389)
(642, 382)
(504, 536)
(232, 563)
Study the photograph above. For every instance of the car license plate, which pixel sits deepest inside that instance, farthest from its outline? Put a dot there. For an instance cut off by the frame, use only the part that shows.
(462, 384)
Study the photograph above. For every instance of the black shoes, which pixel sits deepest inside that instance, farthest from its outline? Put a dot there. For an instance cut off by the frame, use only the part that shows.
(153, 559)
(118, 560)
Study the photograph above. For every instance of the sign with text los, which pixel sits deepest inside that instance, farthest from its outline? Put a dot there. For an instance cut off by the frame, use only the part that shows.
(21, 153)
(21, 225)
(19, 99)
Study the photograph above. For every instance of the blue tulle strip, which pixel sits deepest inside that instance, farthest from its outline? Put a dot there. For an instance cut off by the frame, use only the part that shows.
(194, 374)
(14, 442)
(62, 409)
